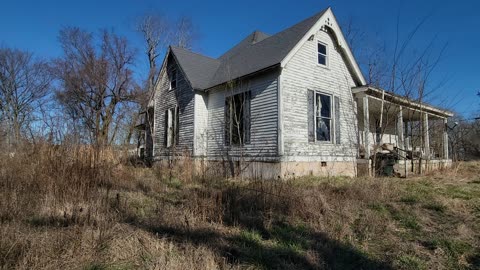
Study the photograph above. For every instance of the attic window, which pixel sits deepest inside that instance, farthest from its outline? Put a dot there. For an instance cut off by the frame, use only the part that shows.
(322, 54)
(173, 78)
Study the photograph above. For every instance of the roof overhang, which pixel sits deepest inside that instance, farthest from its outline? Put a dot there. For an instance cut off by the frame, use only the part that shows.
(401, 100)
(267, 69)
(328, 21)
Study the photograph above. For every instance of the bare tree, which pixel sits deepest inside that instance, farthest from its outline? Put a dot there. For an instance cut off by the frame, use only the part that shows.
(158, 32)
(464, 138)
(24, 84)
(402, 69)
(155, 32)
(183, 33)
(96, 81)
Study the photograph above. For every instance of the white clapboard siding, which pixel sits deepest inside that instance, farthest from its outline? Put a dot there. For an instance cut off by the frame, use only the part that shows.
(302, 73)
(264, 117)
(201, 122)
(182, 96)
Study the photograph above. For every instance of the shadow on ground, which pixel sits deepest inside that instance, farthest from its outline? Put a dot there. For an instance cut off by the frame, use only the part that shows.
(247, 240)
(281, 247)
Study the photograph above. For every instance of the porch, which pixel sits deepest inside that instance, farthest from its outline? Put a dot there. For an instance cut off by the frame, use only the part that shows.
(391, 127)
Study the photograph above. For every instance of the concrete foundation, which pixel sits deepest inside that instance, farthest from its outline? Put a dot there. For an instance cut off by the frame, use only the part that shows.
(280, 170)
(260, 169)
(290, 169)
(201, 167)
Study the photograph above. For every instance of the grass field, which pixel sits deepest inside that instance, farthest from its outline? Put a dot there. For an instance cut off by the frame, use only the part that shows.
(57, 211)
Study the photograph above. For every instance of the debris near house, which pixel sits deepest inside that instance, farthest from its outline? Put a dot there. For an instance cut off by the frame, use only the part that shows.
(386, 158)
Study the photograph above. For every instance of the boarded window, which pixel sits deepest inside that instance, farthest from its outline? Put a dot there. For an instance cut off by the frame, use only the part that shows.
(237, 119)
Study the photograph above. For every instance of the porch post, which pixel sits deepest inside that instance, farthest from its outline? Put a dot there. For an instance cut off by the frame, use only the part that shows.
(426, 136)
(366, 127)
(401, 138)
(400, 128)
(445, 139)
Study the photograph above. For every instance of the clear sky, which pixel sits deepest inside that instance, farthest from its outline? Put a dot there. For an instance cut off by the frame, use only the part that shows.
(34, 25)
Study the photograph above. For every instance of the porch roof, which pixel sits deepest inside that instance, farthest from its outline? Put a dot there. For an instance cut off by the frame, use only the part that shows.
(414, 106)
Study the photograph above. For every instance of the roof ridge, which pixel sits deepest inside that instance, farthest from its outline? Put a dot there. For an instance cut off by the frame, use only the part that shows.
(246, 56)
(248, 37)
(264, 53)
(256, 34)
(318, 14)
(192, 52)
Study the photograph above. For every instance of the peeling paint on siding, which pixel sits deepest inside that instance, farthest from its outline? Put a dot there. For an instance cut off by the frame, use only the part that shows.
(302, 73)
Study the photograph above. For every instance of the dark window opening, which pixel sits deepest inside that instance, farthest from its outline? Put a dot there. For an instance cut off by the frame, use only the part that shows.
(237, 119)
(149, 125)
(172, 127)
(323, 117)
(173, 78)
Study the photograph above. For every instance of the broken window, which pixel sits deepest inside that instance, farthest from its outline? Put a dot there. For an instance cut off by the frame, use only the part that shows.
(172, 127)
(237, 119)
(323, 117)
(173, 78)
(141, 143)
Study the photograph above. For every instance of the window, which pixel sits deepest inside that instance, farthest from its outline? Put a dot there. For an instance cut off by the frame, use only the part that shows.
(237, 119)
(173, 78)
(322, 54)
(323, 117)
(172, 127)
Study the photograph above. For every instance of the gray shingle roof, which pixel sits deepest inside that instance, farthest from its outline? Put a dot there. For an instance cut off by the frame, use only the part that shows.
(198, 69)
(254, 53)
(254, 37)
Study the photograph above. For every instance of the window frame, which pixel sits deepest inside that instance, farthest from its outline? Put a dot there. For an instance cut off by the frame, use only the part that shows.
(173, 122)
(244, 137)
(172, 72)
(331, 118)
(326, 65)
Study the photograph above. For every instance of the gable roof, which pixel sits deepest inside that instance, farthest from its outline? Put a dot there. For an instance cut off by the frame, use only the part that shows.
(256, 52)
(198, 69)
(263, 54)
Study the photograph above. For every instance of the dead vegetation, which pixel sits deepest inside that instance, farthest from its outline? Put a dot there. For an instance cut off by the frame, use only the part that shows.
(61, 208)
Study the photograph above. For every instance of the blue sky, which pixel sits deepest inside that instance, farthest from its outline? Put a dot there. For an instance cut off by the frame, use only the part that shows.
(34, 26)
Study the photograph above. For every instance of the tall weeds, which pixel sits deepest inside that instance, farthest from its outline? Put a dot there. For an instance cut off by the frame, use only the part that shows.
(70, 207)
(43, 183)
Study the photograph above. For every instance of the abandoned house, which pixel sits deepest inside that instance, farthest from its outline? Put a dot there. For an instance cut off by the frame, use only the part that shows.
(290, 104)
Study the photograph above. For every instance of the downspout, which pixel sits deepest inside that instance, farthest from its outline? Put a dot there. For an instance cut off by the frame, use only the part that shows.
(280, 147)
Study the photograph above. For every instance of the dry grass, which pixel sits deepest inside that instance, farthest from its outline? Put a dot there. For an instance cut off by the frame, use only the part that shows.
(62, 209)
